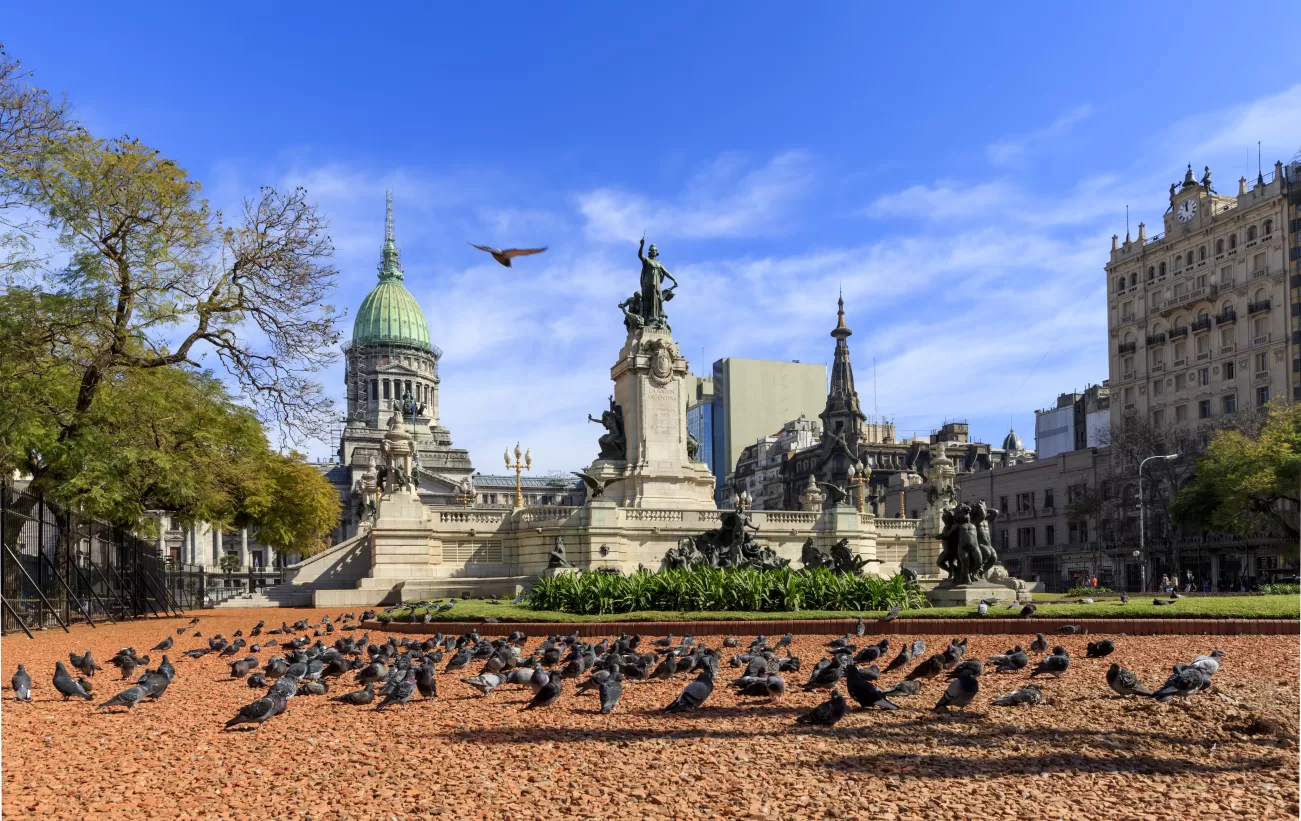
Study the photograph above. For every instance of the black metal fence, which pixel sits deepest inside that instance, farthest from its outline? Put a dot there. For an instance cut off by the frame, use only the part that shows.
(58, 569)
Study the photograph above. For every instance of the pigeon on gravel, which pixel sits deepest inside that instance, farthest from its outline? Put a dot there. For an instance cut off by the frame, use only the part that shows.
(902, 660)
(86, 684)
(1056, 664)
(869, 653)
(959, 693)
(1183, 682)
(86, 664)
(611, 690)
(695, 693)
(904, 688)
(1125, 683)
(930, 668)
(66, 684)
(426, 684)
(1029, 694)
(919, 648)
(865, 692)
(240, 667)
(22, 684)
(164, 645)
(548, 695)
(827, 713)
(313, 688)
(257, 681)
(400, 694)
(970, 667)
(1210, 665)
(128, 698)
(1100, 649)
(486, 683)
(1015, 659)
(358, 697)
(1040, 644)
(258, 712)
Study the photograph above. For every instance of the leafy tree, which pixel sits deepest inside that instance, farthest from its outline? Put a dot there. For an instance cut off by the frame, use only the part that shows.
(229, 563)
(1249, 479)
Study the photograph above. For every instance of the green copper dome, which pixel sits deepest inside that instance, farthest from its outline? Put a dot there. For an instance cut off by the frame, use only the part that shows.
(389, 313)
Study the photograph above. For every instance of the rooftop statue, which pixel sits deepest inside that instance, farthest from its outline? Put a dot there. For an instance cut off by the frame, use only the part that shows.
(613, 443)
(653, 293)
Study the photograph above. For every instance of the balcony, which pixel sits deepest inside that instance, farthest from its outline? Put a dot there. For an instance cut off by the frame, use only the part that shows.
(1127, 347)
(1257, 307)
(1227, 316)
(1200, 324)
(1260, 340)
(1260, 376)
(1131, 409)
(1175, 333)
(1156, 339)
(1203, 356)
(1260, 272)
(1129, 375)
(1158, 367)
(1227, 349)
(1023, 514)
(1179, 363)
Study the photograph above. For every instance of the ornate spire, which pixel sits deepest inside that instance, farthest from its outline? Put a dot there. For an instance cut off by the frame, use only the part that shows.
(841, 331)
(842, 416)
(390, 265)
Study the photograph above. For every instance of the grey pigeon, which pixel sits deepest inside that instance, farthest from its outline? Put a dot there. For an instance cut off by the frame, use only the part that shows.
(164, 645)
(1040, 644)
(1162, 602)
(548, 695)
(240, 668)
(695, 693)
(1028, 611)
(865, 692)
(959, 693)
(930, 668)
(902, 660)
(86, 684)
(485, 683)
(827, 713)
(1183, 682)
(128, 698)
(919, 648)
(314, 688)
(22, 684)
(1124, 597)
(892, 614)
(1017, 659)
(611, 690)
(257, 681)
(1125, 683)
(860, 629)
(358, 697)
(258, 711)
(66, 684)
(1029, 694)
(1100, 649)
(1072, 629)
(86, 664)
(1056, 664)
(425, 682)
(982, 609)
(1210, 665)
(401, 694)
(904, 688)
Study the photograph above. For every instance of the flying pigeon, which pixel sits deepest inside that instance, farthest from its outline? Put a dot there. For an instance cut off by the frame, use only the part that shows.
(1124, 682)
(66, 684)
(1162, 602)
(1183, 682)
(827, 713)
(1100, 649)
(22, 684)
(959, 693)
(504, 256)
(695, 693)
(1072, 629)
(128, 698)
(1029, 694)
(595, 487)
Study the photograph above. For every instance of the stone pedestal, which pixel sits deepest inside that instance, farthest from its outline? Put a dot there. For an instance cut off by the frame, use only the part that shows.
(401, 541)
(969, 595)
(650, 387)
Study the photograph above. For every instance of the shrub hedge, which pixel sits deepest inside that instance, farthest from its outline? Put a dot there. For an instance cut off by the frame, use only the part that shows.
(1280, 589)
(1086, 591)
(706, 588)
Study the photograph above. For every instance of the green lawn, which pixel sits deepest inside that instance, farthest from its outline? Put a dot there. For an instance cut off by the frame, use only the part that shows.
(1238, 607)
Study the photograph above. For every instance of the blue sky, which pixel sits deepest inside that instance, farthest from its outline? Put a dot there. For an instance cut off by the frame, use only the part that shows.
(958, 172)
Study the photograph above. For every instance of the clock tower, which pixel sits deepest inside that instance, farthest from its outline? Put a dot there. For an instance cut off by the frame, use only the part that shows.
(1194, 204)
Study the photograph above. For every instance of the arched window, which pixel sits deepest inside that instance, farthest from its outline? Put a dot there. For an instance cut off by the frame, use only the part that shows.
(1260, 295)
(1157, 328)
(1226, 307)
(1219, 246)
(1151, 273)
(1120, 285)
(1251, 233)
(1201, 252)
(1203, 317)
(1133, 280)
(1161, 269)
(1269, 227)
(1179, 261)
(1233, 241)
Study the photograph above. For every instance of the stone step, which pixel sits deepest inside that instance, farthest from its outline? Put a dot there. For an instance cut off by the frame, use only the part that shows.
(286, 594)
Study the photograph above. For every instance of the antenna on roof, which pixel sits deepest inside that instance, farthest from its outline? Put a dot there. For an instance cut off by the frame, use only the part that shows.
(1260, 174)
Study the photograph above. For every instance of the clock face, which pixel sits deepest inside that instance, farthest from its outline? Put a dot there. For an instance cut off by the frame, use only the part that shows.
(1187, 210)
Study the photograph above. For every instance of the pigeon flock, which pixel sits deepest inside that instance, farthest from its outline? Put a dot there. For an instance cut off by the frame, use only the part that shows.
(308, 659)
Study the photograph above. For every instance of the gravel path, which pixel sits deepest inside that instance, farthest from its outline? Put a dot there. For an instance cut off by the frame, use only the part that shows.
(1083, 754)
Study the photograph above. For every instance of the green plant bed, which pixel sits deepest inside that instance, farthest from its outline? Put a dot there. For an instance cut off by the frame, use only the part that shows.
(1239, 607)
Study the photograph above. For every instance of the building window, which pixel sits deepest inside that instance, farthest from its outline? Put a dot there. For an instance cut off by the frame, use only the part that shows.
(374, 389)
(1230, 403)
(1269, 227)
(1128, 365)
(1262, 363)
(1158, 385)
(1160, 269)
(1219, 246)
(1120, 285)
(1181, 413)
(1251, 233)
(1258, 263)
(1203, 376)
(1151, 273)
(1048, 498)
(1179, 261)
(1158, 418)
(1262, 396)
(386, 390)
(1201, 252)
(1180, 379)
(1133, 280)
(1228, 370)
(1002, 503)
(1025, 501)
(1204, 409)
(1129, 396)
(1260, 327)
(1048, 535)
(1203, 345)
(1025, 537)
(1233, 241)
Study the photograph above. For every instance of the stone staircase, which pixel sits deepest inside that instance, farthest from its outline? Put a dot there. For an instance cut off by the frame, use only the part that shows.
(285, 594)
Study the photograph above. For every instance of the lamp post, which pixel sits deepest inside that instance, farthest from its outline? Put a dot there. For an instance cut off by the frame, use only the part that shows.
(466, 492)
(525, 464)
(859, 476)
(1141, 553)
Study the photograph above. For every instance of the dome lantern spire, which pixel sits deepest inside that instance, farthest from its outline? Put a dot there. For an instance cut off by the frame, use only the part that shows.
(390, 265)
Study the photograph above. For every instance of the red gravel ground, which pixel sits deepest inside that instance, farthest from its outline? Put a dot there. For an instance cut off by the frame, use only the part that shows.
(1231, 753)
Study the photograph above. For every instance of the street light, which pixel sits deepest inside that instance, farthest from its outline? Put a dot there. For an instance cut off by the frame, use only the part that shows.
(1142, 548)
(526, 464)
(859, 476)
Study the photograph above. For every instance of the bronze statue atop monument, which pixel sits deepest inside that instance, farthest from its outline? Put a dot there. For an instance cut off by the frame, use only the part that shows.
(653, 292)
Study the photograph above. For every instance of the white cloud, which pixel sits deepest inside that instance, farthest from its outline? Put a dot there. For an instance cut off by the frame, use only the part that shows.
(1012, 149)
(1274, 120)
(722, 200)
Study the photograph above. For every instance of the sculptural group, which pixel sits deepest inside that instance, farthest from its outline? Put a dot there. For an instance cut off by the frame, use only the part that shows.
(968, 552)
(841, 559)
(729, 546)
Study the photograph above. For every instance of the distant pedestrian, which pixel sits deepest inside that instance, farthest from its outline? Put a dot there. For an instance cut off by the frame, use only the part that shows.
(1188, 576)
(1165, 582)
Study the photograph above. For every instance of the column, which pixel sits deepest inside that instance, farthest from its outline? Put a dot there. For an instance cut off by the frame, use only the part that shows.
(216, 546)
(244, 559)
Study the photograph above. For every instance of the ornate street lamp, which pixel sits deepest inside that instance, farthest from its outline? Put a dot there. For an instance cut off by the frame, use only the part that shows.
(859, 475)
(518, 466)
(466, 492)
